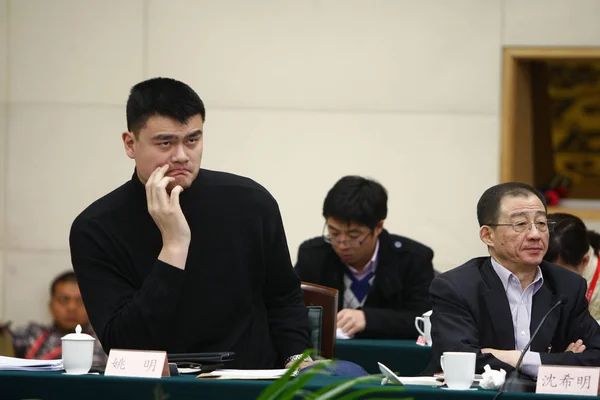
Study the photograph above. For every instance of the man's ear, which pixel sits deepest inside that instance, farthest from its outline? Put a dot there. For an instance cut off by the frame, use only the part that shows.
(128, 142)
(584, 262)
(486, 234)
(378, 228)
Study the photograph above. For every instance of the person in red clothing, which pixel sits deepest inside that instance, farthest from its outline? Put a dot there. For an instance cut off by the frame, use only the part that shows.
(37, 341)
(576, 248)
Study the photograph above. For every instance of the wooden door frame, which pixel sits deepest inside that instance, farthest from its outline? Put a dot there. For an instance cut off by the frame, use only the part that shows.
(516, 162)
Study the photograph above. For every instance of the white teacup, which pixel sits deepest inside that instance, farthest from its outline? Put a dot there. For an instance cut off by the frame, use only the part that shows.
(426, 331)
(459, 369)
(77, 352)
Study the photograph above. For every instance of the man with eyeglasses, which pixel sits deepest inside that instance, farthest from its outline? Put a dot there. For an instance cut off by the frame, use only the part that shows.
(383, 279)
(492, 305)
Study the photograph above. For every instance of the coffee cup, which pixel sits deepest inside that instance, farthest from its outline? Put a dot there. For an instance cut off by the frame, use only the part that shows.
(459, 369)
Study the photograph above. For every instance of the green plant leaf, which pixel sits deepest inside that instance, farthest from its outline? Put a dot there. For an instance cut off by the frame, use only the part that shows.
(387, 398)
(301, 380)
(305, 394)
(361, 392)
(341, 387)
(274, 389)
(286, 389)
(159, 393)
(352, 382)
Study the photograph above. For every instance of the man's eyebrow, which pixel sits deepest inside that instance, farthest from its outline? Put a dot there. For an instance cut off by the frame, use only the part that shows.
(160, 137)
(524, 214)
(341, 230)
(354, 231)
(195, 132)
(163, 137)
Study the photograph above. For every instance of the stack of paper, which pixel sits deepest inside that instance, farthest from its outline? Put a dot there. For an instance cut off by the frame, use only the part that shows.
(21, 364)
(244, 374)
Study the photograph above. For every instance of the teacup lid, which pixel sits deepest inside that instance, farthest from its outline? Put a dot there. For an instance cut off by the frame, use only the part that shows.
(78, 335)
(428, 313)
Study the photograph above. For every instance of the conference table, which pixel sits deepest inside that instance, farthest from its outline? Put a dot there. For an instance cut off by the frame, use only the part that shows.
(55, 385)
(404, 357)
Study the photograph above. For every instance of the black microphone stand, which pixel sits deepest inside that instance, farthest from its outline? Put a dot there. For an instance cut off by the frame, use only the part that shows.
(516, 381)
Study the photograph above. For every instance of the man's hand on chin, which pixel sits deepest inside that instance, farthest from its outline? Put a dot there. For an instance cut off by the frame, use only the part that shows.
(508, 356)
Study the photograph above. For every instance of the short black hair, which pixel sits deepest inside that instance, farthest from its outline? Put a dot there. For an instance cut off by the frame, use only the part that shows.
(68, 276)
(162, 96)
(570, 239)
(488, 206)
(356, 199)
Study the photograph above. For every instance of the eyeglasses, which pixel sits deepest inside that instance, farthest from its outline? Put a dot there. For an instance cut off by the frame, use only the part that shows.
(352, 243)
(520, 227)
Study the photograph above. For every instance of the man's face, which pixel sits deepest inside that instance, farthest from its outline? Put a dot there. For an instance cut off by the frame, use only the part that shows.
(512, 249)
(353, 243)
(165, 141)
(67, 308)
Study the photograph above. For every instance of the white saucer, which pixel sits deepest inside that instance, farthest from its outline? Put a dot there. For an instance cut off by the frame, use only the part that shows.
(78, 373)
(476, 379)
(447, 388)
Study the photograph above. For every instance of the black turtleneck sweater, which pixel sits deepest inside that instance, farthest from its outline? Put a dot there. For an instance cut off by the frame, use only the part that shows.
(238, 291)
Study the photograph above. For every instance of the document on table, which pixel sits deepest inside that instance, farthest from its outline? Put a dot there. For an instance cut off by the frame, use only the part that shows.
(244, 374)
(21, 364)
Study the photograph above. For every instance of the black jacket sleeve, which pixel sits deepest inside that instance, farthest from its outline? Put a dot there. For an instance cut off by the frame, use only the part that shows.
(581, 326)
(287, 314)
(123, 314)
(398, 322)
(454, 329)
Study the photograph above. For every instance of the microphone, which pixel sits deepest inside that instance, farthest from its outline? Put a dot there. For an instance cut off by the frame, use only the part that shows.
(514, 382)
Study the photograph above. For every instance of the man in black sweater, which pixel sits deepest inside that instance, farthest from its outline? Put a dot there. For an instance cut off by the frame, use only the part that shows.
(185, 259)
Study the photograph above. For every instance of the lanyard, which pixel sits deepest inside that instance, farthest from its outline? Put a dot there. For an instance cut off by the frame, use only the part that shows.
(593, 283)
(52, 354)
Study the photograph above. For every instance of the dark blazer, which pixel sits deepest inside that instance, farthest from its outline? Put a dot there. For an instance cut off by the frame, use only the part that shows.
(471, 312)
(400, 289)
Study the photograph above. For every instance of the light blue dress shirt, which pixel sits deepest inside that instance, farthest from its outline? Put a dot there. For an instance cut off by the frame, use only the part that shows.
(520, 301)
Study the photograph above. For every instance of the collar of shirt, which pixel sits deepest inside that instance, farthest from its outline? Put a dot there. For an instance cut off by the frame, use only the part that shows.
(506, 276)
(370, 267)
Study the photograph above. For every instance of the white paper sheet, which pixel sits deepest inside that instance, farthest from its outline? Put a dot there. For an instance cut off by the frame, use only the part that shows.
(244, 374)
(21, 364)
(420, 380)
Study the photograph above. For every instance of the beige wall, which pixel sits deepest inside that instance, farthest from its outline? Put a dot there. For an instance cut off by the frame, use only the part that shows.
(3, 135)
(298, 94)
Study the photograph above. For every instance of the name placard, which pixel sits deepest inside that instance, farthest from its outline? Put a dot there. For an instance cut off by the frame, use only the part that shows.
(137, 363)
(564, 379)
